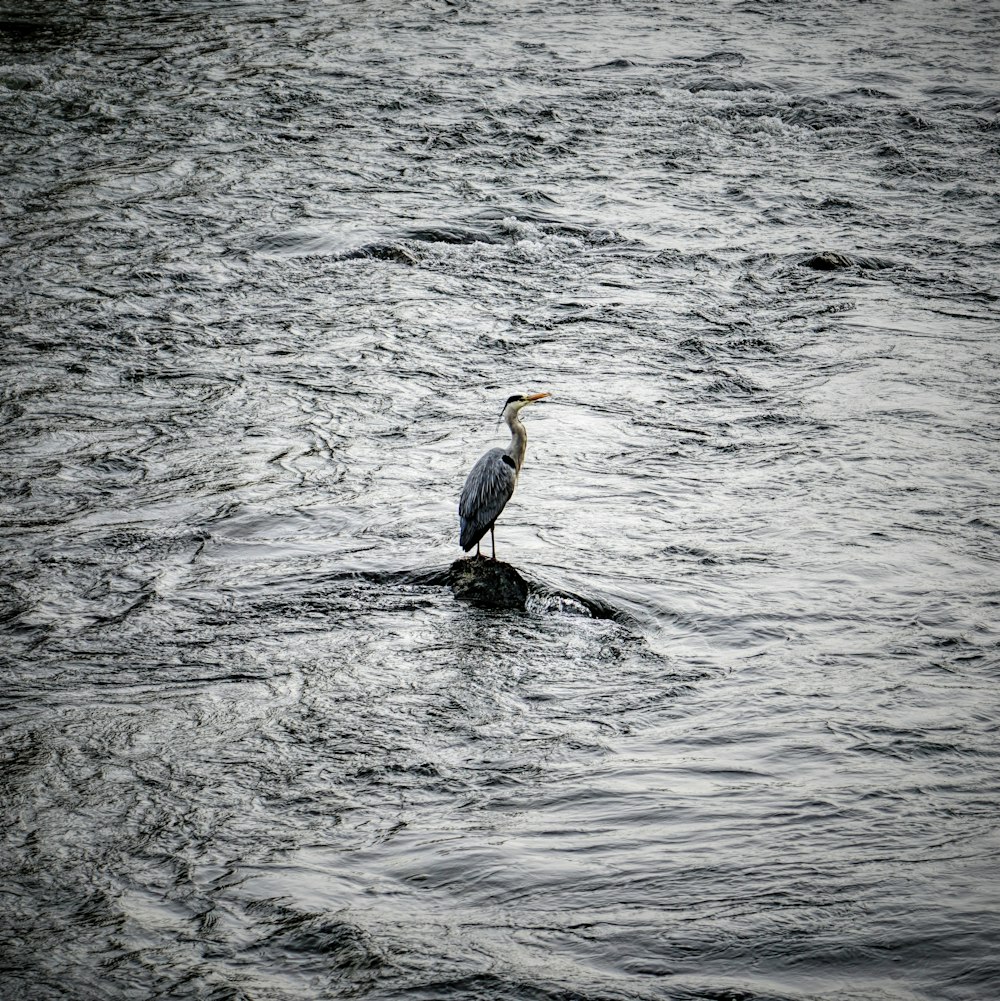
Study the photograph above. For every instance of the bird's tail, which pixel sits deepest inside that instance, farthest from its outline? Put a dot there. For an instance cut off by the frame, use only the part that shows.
(468, 536)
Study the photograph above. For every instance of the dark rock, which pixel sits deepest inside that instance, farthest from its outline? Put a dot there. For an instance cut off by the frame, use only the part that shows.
(381, 252)
(451, 234)
(488, 583)
(828, 261)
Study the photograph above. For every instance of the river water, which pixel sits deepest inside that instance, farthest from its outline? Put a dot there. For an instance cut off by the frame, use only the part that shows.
(270, 271)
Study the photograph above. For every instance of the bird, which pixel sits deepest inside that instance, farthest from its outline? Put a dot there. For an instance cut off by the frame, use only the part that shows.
(491, 482)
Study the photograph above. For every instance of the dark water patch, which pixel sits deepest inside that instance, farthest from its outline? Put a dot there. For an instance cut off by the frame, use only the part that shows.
(337, 950)
(912, 120)
(451, 234)
(621, 63)
(695, 346)
(505, 220)
(955, 90)
(34, 33)
(723, 58)
(777, 419)
(722, 84)
(814, 114)
(392, 252)
(506, 226)
(833, 203)
(731, 383)
(873, 93)
(497, 987)
(750, 345)
(538, 196)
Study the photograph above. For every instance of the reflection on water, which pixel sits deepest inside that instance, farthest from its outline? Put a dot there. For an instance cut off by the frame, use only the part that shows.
(269, 273)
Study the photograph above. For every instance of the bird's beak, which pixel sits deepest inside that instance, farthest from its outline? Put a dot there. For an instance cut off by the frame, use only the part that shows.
(537, 396)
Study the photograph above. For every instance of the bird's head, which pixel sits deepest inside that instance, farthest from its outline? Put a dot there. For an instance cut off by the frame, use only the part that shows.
(520, 400)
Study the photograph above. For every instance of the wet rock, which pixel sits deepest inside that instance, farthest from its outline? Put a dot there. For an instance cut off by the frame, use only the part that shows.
(488, 583)
(382, 252)
(452, 234)
(828, 261)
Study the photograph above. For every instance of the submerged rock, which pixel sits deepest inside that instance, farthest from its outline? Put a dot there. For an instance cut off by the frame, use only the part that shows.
(488, 583)
(828, 261)
(382, 252)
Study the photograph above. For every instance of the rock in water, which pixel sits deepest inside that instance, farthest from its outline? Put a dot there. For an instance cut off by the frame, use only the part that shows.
(828, 261)
(488, 584)
(831, 261)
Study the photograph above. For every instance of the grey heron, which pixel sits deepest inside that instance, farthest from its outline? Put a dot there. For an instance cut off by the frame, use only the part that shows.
(492, 480)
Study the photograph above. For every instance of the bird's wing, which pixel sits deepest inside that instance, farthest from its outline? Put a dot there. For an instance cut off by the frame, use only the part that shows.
(486, 491)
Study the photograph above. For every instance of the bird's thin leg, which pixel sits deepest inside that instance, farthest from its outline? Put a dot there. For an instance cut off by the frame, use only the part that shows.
(494, 542)
(477, 550)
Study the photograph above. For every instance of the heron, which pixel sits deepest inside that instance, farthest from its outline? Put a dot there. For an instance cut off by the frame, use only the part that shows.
(491, 482)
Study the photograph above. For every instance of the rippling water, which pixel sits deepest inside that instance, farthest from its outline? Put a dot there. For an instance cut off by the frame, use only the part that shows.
(269, 272)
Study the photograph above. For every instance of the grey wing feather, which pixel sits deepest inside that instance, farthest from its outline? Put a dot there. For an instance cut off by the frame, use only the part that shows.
(487, 489)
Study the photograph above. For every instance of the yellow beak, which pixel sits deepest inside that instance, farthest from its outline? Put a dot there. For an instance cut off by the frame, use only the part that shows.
(537, 396)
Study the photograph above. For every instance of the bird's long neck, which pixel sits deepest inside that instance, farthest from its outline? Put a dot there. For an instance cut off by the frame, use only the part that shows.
(518, 439)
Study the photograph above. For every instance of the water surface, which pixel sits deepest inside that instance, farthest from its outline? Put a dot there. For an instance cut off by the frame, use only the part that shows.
(269, 273)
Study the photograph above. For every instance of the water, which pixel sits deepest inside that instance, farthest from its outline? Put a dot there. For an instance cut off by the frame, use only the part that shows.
(270, 271)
